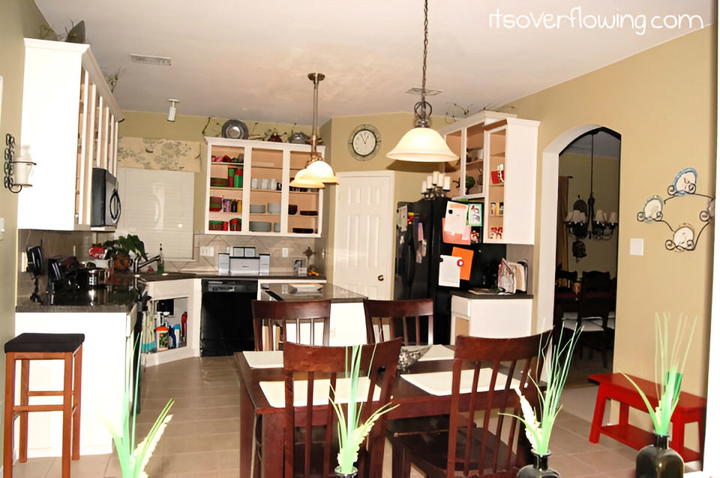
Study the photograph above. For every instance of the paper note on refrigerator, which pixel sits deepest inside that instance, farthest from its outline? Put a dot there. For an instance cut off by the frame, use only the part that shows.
(467, 259)
(449, 275)
(455, 218)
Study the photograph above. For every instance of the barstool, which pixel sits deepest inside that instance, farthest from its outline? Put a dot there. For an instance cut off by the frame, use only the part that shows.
(26, 347)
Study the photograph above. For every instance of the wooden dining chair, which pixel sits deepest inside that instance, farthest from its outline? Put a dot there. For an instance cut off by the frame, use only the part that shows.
(479, 441)
(271, 318)
(311, 451)
(410, 319)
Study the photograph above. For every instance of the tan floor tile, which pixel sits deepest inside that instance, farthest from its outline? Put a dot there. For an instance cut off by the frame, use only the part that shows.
(89, 466)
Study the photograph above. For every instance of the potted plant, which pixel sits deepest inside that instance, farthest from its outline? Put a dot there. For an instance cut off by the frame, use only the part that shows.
(134, 457)
(352, 433)
(658, 459)
(538, 428)
(123, 249)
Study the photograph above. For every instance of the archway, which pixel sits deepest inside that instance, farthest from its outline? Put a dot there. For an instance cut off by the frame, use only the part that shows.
(548, 222)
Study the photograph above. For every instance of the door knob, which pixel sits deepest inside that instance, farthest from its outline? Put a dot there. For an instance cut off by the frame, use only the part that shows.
(381, 277)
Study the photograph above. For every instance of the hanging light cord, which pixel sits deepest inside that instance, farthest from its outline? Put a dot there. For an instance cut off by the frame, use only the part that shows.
(316, 78)
(423, 109)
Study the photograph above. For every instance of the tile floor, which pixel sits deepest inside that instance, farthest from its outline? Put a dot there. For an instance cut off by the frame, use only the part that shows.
(202, 439)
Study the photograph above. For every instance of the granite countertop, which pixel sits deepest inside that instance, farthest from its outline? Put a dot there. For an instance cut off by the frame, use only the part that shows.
(214, 275)
(489, 295)
(327, 291)
(112, 299)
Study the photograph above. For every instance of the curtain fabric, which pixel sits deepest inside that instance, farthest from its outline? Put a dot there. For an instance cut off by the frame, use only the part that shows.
(561, 251)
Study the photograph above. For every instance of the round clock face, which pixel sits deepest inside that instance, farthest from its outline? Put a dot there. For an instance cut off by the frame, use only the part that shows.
(364, 142)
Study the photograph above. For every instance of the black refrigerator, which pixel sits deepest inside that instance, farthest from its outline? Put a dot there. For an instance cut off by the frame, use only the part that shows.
(416, 275)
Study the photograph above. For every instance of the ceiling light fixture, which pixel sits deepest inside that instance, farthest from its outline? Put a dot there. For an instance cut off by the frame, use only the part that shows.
(317, 171)
(173, 109)
(422, 143)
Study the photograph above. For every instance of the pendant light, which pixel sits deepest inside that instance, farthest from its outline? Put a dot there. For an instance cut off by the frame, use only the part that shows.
(317, 172)
(422, 143)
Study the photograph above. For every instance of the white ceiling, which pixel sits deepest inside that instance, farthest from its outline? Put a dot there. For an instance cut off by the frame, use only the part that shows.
(250, 59)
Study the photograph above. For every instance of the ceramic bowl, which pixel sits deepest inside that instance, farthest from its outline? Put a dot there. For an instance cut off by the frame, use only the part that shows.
(257, 208)
(292, 208)
(273, 207)
(260, 226)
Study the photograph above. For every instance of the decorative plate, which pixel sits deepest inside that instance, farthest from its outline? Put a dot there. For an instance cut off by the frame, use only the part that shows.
(235, 129)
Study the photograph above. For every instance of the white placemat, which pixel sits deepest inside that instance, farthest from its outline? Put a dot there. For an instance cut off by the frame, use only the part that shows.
(440, 383)
(267, 359)
(438, 352)
(275, 391)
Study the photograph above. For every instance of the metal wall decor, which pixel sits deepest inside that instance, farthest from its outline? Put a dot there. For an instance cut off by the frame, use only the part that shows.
(685, 237)
(16, 171)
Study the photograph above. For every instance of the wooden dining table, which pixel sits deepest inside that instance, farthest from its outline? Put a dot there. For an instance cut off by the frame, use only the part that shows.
(412, 400)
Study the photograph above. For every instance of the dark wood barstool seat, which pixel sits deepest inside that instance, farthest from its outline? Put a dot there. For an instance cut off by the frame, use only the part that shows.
(32, 346)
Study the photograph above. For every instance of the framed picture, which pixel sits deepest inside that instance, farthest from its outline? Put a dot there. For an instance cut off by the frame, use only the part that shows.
(475, 213)
(299, 268)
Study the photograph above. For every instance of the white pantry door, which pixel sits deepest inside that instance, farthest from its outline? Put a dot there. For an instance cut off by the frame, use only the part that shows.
(364, 233)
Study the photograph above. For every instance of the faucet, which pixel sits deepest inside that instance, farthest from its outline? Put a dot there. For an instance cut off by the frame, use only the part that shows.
(137, 265)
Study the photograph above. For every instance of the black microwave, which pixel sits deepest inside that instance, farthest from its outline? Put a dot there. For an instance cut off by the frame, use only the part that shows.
(105, 199)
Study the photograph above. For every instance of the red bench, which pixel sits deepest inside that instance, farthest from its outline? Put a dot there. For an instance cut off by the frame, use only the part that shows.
(614, 386)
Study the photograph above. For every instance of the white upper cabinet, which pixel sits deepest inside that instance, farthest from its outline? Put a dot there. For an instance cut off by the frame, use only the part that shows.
(496, 167)
(70, 124)
(245, 186)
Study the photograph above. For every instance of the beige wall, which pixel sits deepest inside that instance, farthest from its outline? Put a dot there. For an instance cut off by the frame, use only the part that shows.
(601, 254)
(144, 124)
(18, 19)
(662, 103)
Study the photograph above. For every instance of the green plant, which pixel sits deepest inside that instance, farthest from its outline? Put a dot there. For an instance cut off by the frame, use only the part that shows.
(351, 433)
(126, 245)
(537, 431)
(669, 365)
(133, 458)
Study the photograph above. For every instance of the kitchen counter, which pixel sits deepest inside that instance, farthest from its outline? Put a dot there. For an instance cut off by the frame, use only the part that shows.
(214, 275)
(114, 298)
(489, 295)
(330, 292)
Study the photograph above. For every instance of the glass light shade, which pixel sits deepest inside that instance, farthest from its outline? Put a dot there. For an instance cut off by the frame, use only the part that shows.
(322, 171)
(423, 145)
(305, 180)
(22, 171)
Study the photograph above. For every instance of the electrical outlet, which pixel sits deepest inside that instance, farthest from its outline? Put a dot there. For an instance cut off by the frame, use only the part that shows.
(23, 261)
(284, 251)
(207, 251)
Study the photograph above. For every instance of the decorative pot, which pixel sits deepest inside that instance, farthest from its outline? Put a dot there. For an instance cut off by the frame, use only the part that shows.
(539, 469)
(340, 474)
(658, 460)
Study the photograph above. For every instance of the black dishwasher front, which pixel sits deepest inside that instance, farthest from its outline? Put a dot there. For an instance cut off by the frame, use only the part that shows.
(226, 323)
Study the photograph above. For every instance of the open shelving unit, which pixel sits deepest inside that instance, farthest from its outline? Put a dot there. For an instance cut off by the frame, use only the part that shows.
(266, 169)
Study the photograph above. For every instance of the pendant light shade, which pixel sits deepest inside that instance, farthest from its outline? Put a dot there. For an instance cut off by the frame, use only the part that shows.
(423, 145)
(321, 171)
(303, 179)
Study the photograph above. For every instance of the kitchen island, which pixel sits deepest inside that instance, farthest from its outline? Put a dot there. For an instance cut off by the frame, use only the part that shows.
(107, 317)
(347, 313)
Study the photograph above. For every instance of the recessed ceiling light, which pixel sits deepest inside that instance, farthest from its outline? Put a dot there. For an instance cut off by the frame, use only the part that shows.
(151, 60)
(417, 91)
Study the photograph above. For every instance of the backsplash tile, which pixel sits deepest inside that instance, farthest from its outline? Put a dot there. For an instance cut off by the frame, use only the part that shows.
(263, 244)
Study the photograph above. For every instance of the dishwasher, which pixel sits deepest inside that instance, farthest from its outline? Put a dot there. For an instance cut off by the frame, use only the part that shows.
(226, 321)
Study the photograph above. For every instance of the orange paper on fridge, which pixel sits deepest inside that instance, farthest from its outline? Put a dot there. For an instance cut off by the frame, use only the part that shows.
(467, 257)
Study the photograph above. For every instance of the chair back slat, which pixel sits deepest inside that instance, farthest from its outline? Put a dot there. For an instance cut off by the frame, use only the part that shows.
(313, 363)
(269, 315)
(410, 316)
(513, 363)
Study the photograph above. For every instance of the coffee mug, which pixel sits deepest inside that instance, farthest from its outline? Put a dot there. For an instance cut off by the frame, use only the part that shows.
(254, 183)
(265, 183)
(273, 184)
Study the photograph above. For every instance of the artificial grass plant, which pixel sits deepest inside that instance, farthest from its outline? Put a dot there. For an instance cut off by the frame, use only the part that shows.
(352, 433)
(669, 367)
(131, 457)
(538, 431)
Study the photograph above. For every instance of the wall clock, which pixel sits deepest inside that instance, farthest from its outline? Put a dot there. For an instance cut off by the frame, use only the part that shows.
(364, 142)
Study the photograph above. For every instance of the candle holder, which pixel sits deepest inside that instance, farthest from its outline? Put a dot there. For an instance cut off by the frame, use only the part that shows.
(435, 191)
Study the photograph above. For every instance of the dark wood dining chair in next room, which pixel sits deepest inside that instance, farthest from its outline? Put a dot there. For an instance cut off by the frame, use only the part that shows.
(271, 320)
(410, 319)
(496, 446)
(312, 451)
